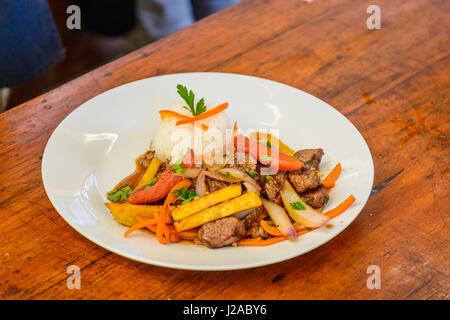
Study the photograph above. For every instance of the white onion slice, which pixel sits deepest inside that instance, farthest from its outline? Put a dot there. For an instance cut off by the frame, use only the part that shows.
(251, 188)
(200, 186)
(280, 218)
(241, 215)
(236, 173)
(189, 173)
(221, 177)
(309, 217)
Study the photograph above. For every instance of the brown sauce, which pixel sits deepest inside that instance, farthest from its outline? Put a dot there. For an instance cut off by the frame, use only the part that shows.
(134, 178)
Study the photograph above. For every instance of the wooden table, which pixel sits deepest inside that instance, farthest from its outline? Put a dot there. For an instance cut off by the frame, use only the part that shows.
(392, 83)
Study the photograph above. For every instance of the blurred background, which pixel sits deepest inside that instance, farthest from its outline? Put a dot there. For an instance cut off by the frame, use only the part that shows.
(38, 52)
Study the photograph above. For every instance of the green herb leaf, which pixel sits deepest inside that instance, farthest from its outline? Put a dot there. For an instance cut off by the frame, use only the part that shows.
(308, 228)
(266, 158)
(296, 156)
(177, 167)
(229, 175)
(269, 144)
(309, 162)
(189, 97)
(310, 201)
(185, 195)
(121, 194)
(250, 173)
(267, 178)
(150, 183)
(299, 205)
(326, 200)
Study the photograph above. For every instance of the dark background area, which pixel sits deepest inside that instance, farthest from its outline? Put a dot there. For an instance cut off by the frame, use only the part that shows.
(109, 30)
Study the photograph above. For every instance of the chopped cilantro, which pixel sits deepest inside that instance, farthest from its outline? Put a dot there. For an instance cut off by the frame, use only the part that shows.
(309, 162)
(185, 195)
(250, 173)
(269, 144)
(299, 205)
(326, 200)
(121, 194)
(267, 178)
(229, 175)
(177, 167)
(310, 201)
(266, 157)
(151, 183)
(296, 156)
(189, 97)
(308, 228)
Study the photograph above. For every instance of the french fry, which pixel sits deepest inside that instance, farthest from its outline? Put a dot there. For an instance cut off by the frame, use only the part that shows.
(207, 201)
(150, 173)
(125, 213)
(248, 200)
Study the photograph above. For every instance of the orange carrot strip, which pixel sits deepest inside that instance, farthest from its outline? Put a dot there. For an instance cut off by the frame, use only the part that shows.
(163, 233)
(258, 242)
(341, 208)
(332, 176)
(169, 113)
(139, 225)
(153, 228)
(270, 229)
(188, 234)
(206, 114)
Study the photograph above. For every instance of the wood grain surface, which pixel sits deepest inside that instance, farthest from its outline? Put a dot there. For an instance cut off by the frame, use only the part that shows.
(392, 83)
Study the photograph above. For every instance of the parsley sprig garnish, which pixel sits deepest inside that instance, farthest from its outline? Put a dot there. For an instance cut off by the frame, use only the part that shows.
(150, 183)
(185, 195)
(121, 194)
(189, 97)
(178, 167)
(299, 205)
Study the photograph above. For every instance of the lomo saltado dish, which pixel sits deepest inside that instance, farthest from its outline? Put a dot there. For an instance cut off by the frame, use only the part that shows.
(205, 182)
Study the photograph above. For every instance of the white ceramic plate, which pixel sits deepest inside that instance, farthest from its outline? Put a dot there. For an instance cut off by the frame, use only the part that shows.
(94, 147)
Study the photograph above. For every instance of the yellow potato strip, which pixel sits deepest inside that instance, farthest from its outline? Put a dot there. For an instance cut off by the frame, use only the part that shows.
(207, 201)
(150, 173)
(125, 213)
(248, 200)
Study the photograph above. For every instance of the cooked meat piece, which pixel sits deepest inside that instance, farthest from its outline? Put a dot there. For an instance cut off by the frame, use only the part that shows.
(147, 158)
(303, 180)
(311, 157)
(214, 185)
(280, 178)
(252, 225)
(244, 161)
(222, 232)
(272, 186)
(316, 198)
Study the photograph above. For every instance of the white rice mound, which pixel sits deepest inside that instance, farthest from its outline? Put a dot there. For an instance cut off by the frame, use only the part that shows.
(172, 142)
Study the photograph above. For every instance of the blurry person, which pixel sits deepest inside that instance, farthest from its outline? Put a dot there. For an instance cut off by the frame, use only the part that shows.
(162, 17)
(29, 43)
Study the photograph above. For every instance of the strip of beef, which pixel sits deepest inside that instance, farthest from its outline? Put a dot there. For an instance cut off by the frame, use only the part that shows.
(252, 225)
(214, 185)
(272, 186)
(316, 198)
(221, 232)
(304, 179)
(311, 157)
(243, 161)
